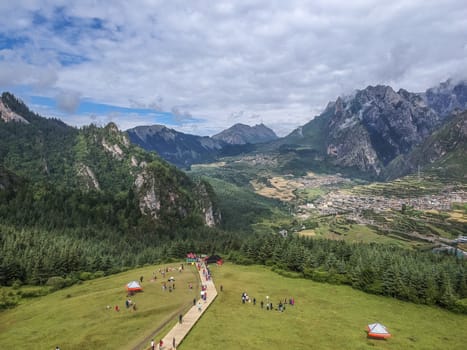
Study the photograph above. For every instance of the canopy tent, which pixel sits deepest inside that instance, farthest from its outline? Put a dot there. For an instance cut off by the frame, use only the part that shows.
(191, 258)
(213, 259)
(134, 286)
(377, 330)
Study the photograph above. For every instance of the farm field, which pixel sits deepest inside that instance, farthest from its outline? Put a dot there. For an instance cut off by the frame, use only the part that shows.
(324, 317)
(77, 317)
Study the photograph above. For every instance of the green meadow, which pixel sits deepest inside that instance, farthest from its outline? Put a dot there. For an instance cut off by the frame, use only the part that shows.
(324, 317)
(78, 317)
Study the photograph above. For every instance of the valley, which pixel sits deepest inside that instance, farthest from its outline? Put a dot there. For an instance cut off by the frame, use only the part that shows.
(413, 209)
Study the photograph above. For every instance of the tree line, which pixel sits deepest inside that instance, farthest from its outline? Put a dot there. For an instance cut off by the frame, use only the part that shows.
(417, 276)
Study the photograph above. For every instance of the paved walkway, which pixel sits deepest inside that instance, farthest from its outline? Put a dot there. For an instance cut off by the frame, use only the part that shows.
(179, 331)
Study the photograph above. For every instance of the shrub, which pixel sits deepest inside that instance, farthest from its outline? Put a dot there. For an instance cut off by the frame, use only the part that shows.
(98, 274)
(34, 293)
(460, 306)
(56, 282)
(85, 276)
(16, 284)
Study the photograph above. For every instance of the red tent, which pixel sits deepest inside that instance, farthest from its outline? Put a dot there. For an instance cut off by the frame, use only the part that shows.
(378, 331)
(134, 286)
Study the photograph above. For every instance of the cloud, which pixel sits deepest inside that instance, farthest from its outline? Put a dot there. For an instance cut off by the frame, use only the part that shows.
(278, 62)
(68, 101)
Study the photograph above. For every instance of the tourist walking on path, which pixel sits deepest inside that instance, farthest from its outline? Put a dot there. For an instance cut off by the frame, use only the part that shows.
(199, 306)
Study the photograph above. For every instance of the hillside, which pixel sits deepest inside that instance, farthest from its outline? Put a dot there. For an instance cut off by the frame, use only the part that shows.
(240, 134)
(82, 187)
(183, 150)
(443, 152)
(177, 148)
(77, 317)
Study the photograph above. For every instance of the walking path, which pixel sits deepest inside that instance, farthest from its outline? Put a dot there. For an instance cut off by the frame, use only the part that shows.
(179, 331)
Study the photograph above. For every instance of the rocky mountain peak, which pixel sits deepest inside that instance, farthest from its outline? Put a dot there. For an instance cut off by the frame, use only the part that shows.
(7, 115)
(447, 97)
(240, 134)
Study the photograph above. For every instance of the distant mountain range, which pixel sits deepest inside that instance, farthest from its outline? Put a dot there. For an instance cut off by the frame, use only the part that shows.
(183, 149)
(363, 133)
(359, 134)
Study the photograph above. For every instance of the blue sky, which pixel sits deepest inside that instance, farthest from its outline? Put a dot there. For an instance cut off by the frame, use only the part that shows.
(202, 66)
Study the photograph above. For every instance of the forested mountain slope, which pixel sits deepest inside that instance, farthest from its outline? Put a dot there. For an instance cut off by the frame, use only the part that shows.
(78, 188)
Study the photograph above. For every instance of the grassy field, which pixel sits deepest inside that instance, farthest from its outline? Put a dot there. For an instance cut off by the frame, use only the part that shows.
(78, 318)
(324, 317)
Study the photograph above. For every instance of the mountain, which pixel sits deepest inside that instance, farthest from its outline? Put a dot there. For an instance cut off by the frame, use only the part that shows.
(443, 152)
(177, 148)
(447, 97)
(74, 202)
(183, 150)
(366, 131)
(97, 162)
(240, 134)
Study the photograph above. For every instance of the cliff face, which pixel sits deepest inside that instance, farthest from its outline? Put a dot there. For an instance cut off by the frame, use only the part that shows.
(444, 151)
(368, 130)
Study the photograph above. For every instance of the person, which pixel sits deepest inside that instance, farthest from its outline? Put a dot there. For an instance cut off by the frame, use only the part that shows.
(262, 304)
(173, 343)
(199, 306)
(180, 318)
(194, 301)
(153, 345)
(254, 301)
(141, 279)
(222, 288)
(57, 348)
(161, 343)
(134, 306)
(117, 308)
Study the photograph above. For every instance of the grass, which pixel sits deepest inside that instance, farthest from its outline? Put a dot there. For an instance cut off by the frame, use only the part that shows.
(78, 318)
(324, 317)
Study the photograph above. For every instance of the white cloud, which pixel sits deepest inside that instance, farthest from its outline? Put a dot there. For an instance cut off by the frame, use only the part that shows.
(278, 61)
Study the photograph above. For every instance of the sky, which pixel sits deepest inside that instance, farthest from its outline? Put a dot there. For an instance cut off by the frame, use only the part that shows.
(202, 66)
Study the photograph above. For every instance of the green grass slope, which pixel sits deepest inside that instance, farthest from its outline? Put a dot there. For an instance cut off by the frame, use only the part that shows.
(324, 317)
(78, 318)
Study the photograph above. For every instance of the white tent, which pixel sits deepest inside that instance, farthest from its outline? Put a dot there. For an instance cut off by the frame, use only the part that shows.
(133, 286)
(377, 330)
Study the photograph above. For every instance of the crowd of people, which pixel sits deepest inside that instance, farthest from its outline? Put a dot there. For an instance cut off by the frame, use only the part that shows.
(269, 305)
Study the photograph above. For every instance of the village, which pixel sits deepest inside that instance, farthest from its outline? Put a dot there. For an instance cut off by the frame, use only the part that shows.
(340, 202)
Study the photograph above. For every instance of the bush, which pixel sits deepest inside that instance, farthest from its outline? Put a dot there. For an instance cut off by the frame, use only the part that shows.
(7, 301)
(16, 284)
(34, 293)
(460, 306)
(288, 274)
(98, 274)
(85, 276)
(56, 283)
